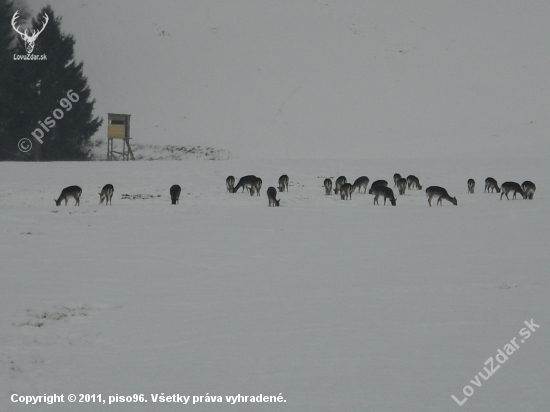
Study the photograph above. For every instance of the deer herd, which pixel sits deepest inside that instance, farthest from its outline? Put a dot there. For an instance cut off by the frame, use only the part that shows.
(378, 188)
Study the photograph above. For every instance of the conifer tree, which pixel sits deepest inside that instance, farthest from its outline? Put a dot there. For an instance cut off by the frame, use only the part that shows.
(43, 109)
(8, 143)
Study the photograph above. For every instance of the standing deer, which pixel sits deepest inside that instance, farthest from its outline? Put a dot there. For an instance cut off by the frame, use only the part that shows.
(230, 182)
(255, 187)
(384, 191)
(441, 194)
(71, 191)
(175, 191)
(508, 187)
(106, 194)
(396, 178)
(412, 181)
(272, 197)
(283, 183)
(29, 40)
(360, 182)
(377, 183)
(528, 189)
(346, 191)
(259, 183)
(471, 185)
(339, 182)
(328, 187)
(402, 185)
(245, 181)
(491, 184)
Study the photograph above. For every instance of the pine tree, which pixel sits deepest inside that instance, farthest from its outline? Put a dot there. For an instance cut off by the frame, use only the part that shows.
(44, 107)
(8, 142)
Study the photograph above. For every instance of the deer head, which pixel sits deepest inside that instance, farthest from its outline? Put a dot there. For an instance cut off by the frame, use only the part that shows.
(29, 40)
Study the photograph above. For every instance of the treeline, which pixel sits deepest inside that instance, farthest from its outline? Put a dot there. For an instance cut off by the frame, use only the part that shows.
(45, 109)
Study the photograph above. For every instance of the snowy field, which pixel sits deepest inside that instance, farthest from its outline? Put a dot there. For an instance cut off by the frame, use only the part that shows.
(336, 305)
(333, 305)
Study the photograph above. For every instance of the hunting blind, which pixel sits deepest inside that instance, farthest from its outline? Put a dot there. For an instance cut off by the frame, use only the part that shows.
(119, 128)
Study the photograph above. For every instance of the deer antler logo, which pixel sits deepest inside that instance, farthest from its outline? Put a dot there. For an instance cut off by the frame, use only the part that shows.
(29, 40)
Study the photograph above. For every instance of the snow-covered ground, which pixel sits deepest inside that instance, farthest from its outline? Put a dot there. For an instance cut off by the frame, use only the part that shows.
(336, 305)
(162, 152)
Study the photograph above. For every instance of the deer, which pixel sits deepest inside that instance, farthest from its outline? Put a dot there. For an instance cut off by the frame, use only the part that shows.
(412, 181)
(360, 182)
(259, 183)
(339, 182)
(283, 183)
(106, 194)
(175, 191)
(272, 197)
(328, 187)
(508, 187)
(471, 185)
(255, 188)
(384, 191)
(377, 183)
(396, 178)
(491, 184)
(346, 191)
(71, 191)
(440, 193)
(245, 181)
(528, 189)
(230, 182)
(402, 185)
(29, 40)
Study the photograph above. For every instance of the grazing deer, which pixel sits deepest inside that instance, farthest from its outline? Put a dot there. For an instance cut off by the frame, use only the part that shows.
(491, 184)
(360, 182)
(528, 189)
(346, 191)
(175, 191)
(339, 182)
(328, 187)
(412, 181)
(508, 187)
(283, 183)
(272, 197)
(441, 194)
(396, 178)
(384, 191)
(71, 191)
(471, 185)
(245, 181)
(377, 183)
(106, 194)
(29, 40)
(402, 185)
(230, 182)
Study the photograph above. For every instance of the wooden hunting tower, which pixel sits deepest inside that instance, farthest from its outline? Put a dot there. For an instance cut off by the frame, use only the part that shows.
(119, 128)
